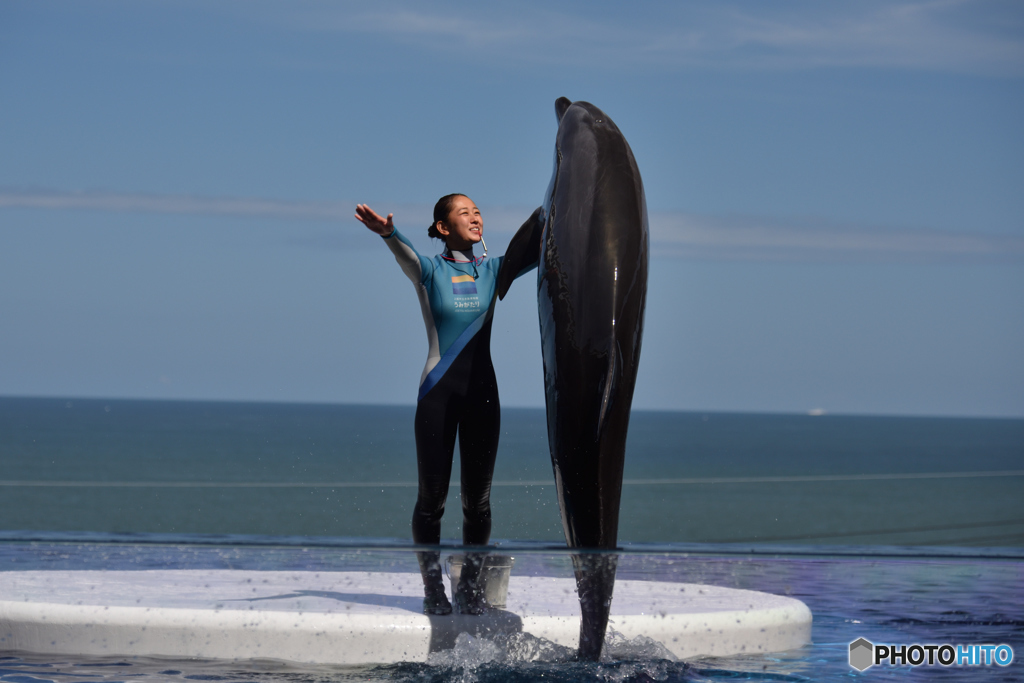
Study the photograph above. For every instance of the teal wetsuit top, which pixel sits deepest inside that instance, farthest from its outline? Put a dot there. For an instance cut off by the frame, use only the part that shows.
(457, 295)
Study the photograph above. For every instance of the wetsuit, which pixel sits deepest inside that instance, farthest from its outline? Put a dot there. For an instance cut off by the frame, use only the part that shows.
(458, 392)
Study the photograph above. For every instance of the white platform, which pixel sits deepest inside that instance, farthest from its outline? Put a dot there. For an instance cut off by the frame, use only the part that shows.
(356, 617)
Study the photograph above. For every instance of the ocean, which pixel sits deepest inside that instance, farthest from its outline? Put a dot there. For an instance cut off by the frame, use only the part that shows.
(124, 466)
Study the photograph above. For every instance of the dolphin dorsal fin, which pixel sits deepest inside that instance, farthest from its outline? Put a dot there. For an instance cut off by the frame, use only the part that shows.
(561, 105)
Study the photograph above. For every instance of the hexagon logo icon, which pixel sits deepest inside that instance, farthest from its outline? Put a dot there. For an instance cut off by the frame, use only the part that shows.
(862, 654)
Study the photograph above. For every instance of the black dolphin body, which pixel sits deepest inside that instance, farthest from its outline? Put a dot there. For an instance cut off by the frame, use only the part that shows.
(591, 241)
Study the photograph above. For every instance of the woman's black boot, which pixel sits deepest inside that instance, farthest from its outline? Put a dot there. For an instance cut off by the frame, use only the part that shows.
(469, 595)
(435, 602)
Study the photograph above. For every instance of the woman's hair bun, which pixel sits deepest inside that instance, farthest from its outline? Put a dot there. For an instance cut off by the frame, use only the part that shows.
(441, 211)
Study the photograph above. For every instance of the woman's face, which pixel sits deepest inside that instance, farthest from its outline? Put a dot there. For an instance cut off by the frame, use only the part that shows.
(465, 225)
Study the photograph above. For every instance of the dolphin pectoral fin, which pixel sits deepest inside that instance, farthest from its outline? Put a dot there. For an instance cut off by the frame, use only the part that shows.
(523, 252)
(561, 105)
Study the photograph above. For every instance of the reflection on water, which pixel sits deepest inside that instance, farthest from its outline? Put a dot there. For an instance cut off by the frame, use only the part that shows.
(887, 595)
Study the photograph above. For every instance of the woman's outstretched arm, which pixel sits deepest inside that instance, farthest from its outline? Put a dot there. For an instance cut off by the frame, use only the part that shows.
(374, 221)
(413, 265)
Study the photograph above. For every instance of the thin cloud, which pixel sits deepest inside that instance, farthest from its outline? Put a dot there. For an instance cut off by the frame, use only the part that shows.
(673, 234)
(755, 238)
(972, 36)
(941, 35)
(180, 204)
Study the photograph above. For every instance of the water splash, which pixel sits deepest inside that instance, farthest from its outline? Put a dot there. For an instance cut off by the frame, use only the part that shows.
(521, 656)
(642, 648)
(472, 652)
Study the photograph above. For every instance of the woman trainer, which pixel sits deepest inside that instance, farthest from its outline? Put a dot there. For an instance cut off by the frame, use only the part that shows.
(458, 394)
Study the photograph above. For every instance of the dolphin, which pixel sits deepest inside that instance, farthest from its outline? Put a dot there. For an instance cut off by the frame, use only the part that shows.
(590, 241)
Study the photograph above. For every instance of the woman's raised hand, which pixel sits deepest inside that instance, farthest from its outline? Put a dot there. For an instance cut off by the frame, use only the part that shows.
(374, 221)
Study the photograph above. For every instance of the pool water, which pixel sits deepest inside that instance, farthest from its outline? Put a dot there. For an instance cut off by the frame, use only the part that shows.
(886, 595)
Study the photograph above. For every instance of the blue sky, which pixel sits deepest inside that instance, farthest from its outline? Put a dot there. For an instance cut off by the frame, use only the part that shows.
(836, 194)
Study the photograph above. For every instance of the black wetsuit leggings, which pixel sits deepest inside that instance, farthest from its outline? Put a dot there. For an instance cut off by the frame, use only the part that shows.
(464, 401)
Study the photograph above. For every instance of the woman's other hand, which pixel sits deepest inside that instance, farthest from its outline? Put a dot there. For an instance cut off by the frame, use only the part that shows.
(374, 221)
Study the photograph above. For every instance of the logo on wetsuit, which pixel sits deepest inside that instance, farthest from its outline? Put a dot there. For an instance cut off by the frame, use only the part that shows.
(464, 291)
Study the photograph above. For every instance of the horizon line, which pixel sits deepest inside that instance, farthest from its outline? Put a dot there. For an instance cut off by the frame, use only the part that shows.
(811, 412)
